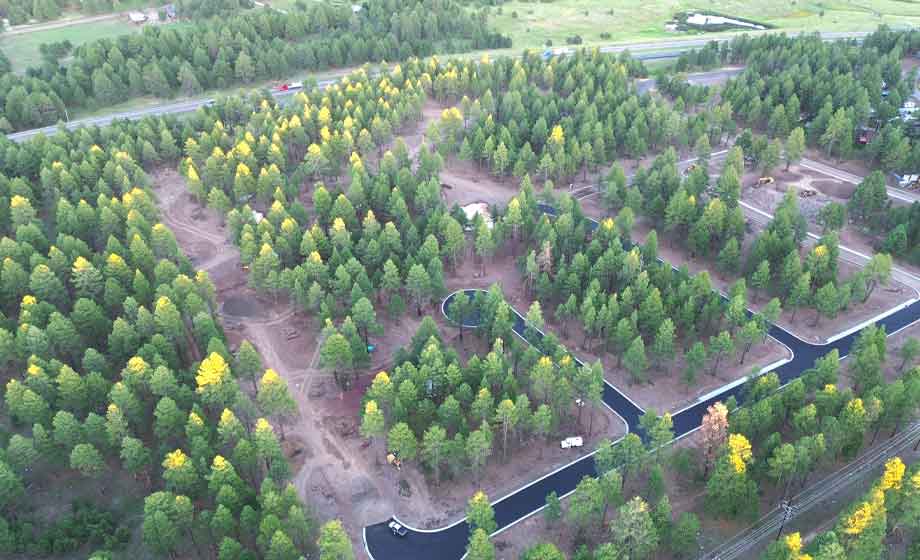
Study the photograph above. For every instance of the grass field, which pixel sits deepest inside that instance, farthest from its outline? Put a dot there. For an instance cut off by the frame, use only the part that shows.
(22, 50)
(629, 20)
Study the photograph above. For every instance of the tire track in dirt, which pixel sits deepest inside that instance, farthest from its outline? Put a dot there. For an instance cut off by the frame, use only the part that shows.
(330, 479)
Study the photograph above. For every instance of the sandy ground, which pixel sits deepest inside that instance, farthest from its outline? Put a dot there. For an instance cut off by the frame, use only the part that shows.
(767, 198)
(466, 183)
(892, 360)
(688, 494)
(664, 390)
(336, 473)
(828, 190)
(446, 503)
(882, 299)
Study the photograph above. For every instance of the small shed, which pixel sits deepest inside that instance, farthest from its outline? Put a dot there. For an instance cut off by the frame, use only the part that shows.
(137, 18)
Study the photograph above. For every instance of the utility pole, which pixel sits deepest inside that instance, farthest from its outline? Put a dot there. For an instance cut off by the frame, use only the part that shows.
(787, 512)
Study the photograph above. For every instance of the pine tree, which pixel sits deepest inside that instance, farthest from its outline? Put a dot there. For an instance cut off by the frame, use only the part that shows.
(635, 532)
(480, 548)
(635, 361)
(418, 284)
(479, 513)
(275, 398)
(87, 459)
(334, 543)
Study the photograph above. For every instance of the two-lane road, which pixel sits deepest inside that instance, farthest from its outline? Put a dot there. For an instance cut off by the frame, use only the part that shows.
(663, 50)
(449, 543)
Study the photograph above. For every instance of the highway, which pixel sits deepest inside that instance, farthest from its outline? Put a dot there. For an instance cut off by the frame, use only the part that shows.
(176, 108)
(449, 543)
(663, 50)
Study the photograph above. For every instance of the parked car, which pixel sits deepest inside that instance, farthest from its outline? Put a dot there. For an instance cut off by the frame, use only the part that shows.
(397, 529)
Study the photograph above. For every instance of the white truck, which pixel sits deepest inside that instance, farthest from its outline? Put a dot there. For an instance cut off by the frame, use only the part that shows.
(569, 442)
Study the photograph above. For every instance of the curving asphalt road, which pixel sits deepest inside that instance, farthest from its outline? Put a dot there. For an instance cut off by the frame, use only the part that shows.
(449, 543)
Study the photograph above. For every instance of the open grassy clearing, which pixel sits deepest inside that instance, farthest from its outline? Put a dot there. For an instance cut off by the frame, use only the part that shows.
(624, 20)
(22, 50)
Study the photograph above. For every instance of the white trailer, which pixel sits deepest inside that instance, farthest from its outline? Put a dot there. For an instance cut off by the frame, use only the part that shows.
(569, 442)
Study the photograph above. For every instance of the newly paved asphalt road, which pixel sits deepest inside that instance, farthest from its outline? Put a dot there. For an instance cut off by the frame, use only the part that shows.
(449, 543)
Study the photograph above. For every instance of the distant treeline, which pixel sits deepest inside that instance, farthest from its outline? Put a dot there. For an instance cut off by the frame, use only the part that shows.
(164, 61)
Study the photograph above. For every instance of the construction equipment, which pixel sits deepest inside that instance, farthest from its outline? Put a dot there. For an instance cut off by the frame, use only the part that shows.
(393, 459)
(908, 182)
(765, 181)
(570, 442)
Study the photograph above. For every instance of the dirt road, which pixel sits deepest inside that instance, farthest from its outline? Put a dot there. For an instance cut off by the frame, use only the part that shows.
(33, 27)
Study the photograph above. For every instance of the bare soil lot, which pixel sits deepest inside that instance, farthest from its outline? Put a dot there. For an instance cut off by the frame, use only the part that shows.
(199, 230)
(803, 325)
(439, 505)
(829, 189)
(768, 197)
(664, 390)
(687, 493)
(335, 471)
(466, 183)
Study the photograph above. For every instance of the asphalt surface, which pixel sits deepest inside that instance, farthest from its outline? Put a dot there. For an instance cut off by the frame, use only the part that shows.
(450, 542)
(709, 78)
(177, 108)
(659, 51)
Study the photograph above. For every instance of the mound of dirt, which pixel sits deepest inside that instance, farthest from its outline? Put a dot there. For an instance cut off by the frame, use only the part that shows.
(243, 306)
(836, 189)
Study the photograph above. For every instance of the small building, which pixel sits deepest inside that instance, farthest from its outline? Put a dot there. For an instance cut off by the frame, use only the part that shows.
(355, 8)
(137, 18)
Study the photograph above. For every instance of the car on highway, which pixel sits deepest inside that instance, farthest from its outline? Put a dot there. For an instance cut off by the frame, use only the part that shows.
(288, 86)
(397, 529)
